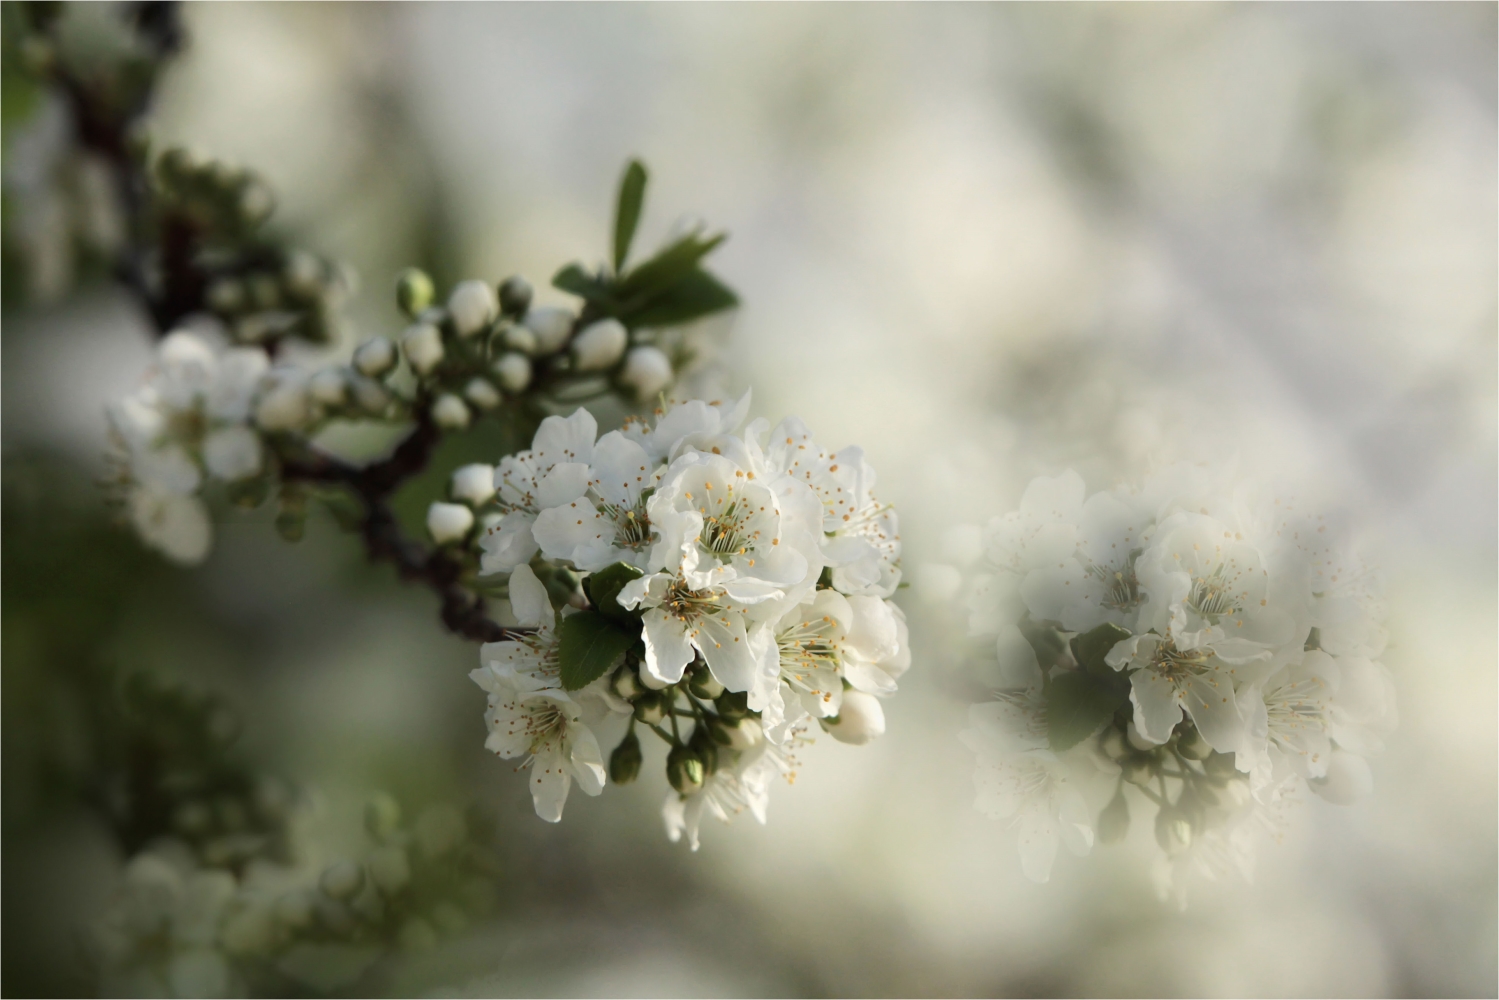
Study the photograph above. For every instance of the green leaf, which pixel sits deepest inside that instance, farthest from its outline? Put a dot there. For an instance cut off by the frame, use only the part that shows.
(1076, 705)
(696, 294)
(627, 210)
(603, 590)
(1045, 640)
(1089, 648)
(587, 646)
(576, 281)
(667, 267)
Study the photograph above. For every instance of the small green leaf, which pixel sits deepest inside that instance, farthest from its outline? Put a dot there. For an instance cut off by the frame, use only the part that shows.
(576, 281)
(1076, 705)
(667, 267)
(627, 210)
(695, 295)
(603, 590)
(1045, 640)
(587, 646)
(1089, 648)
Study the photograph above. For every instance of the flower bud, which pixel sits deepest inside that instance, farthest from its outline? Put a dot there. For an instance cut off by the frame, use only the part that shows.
(472, 307)
(473, 484)
(284, 405)
(744, 733)
(732, 704)
(627, 685)
(414, 291)
(704, 746)
(859, 720)
(1136, 739)
(1348, 779)
(375, 357)
(551, 327)
(515, 296)
(703, 684)
(482, 393)
(390, 869)
(649, 681)
(451, 412)
(514, 372)
(625, 761)
(449, 522)
(422, 343)
(226, 295)
(599, 345)
(303, 273)
(1219, 765)
(520, 338)
(647, 371)
(372, 397)
(1137, 770)
(1111, 743)
(650, 709)
(329, 387)
(684, 769)
(1113, 822)
(1173, 831)
(342, 879)
(1192, 746)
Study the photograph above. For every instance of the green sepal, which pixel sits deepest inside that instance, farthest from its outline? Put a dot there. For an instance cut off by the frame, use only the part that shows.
(1077, 704)
(603, 590)
(588, 644)
(627, 210)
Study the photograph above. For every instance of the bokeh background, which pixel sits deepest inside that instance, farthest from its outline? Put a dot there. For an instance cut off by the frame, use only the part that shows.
(984, 242)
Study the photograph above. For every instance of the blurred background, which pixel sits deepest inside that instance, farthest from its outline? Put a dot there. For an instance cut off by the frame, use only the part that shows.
(984, 242)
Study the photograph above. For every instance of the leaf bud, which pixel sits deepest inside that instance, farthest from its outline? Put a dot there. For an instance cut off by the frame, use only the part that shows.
(382, 815)
(375, 357)
(472, 307)
(473, 484)
(650, 709)
(627, 684)
(515, 296)
(1137, 770)
(422, 344)
(551, 326)
(514, 372)
(329, 387)
(647, 371)
(703, 684)
(342, 879)
(1173, 831)
(859, 719)
(600, 345)
(482, 393)
(414, 291)
(625, 761)
(390, 869)
(684, 769)
(520, 338)
(1113, 822)
(449, 522)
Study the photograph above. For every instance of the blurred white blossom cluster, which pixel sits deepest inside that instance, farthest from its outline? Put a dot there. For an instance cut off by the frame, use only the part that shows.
(721, 590)
(1192, 645)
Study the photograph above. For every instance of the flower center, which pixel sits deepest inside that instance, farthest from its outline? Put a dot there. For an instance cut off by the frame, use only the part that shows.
(632, 526)
(1179, 665)
(1121, 587)
(805, 649)
(725, 533)
(1210, 597)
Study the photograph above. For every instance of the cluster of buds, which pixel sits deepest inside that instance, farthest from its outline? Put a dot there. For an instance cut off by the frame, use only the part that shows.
(1214, 647)
(721, 591)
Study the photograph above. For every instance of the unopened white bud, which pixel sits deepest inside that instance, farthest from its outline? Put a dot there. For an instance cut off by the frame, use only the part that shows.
(859, 720)
(329, 387)
(551, 327)
(1348, 779)
(473, 484)
(482, 393)
(1137, 739)
(514, 372)
(283, 405)
(747, 733)
(375, 357)
(422, 344)
(473, 306)
(304, 273)
(372, 397)
(451, 412)
(599, 345)
(449, 522)
(520, 338)
(653, 682)
(647, 371)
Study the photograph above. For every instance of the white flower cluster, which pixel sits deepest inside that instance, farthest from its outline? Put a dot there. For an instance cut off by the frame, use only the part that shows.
(1214, 648)
(190, 420)
(721, 590)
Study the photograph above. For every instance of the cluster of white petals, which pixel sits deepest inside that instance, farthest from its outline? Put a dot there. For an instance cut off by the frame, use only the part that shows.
(757, 565)
(1233, 644)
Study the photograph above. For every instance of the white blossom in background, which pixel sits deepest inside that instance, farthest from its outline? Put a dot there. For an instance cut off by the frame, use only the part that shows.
(749, 597)
(1210, 644)
(189, 420)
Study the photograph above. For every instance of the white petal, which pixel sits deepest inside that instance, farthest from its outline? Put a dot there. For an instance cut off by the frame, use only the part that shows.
(528, 598)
